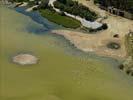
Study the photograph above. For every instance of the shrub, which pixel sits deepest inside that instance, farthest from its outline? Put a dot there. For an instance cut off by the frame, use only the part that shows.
(75, 8)
(62, 14)
(34, 9)
(113, 45)
(121, 66)
(104, 26)
(96, 1)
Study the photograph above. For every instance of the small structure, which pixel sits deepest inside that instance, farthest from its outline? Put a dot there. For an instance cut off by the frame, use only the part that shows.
(118, 12)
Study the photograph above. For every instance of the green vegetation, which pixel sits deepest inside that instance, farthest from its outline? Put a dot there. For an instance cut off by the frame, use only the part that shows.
(129, 44)
(120, 4)
(44, 4)
(18, 0)
(48, 12)
(75, 8)
(128, 63)
(113, 45)
(96, 1)
(60, 19)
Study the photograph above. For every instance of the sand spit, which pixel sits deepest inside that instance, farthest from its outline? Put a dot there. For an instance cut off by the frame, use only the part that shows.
(25, 59)
(96, 43)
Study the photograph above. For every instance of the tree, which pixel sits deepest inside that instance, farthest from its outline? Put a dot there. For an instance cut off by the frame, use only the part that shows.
(44, 4)
(63, 1)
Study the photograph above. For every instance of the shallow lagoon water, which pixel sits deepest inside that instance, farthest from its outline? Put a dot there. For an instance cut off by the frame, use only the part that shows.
(35, 16)
(58, 75)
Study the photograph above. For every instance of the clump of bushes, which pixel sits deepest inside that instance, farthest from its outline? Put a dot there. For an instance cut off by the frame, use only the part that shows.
(121, 67)
(62, 14)
(34, 9)
(75, 8)
(96, 1)
(18, 0)
(44, 4)
(127, 66)
(113, 45)
(104, 26)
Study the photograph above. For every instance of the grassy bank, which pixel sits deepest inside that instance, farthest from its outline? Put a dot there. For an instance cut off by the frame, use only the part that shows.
(129, 45)
(128, 63)
(59, 19)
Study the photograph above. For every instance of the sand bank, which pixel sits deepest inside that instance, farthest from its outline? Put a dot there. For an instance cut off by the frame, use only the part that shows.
(96, 43)
(25, 59)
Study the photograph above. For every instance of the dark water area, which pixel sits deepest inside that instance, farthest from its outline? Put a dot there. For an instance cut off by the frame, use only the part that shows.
(46, 25)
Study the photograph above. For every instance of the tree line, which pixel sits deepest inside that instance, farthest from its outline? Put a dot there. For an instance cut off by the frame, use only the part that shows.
(126, 5)
(75, 8)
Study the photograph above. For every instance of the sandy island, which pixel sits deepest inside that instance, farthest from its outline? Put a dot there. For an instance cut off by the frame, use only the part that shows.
(25, 59)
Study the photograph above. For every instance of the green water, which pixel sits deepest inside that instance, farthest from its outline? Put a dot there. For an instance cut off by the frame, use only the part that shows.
(58, 75)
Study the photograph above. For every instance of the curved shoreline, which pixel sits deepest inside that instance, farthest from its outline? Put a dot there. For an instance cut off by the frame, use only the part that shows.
(59, 30)
(89, 43)
(97, 42)
(97, 47)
